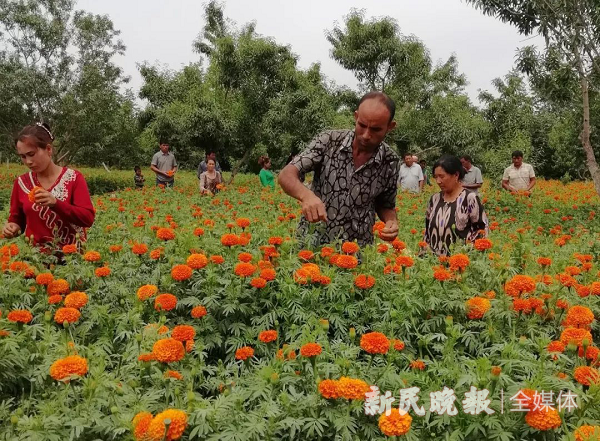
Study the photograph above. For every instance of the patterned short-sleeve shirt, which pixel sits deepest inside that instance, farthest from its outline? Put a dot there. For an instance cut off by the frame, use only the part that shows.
(350, 195)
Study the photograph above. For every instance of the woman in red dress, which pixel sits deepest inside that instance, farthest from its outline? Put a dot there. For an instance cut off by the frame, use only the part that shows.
(50, 203)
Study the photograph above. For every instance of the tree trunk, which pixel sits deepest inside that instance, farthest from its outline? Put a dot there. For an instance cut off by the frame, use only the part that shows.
(236, 168)
(585, 136)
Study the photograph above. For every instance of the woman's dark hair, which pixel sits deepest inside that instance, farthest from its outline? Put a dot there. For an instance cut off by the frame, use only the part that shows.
(40, 133)
(136, 168)
(263, 160)
(451, 165)
(211, 159)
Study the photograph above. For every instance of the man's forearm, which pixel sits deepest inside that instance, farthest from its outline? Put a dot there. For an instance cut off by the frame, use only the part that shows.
(386, 214)
(289, 179)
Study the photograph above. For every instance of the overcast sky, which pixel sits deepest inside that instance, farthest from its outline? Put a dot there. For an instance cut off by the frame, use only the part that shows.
(163, 31)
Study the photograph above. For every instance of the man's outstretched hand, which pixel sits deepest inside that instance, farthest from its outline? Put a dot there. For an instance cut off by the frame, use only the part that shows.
(390, 231)
(313, 209)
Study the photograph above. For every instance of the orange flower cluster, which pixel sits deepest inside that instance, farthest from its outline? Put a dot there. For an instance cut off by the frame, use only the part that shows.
(258, 282)
(364, 281)
(140, 425)
(76, 299)
(267, 336)
(350, 247)
(197, 261)
(44, 279)
(58, 287)
(395, 424)
(459, 262)
(103, 271)
(183, 333)
(66, 368)
(69, 315)
(575, 336)
(230, 240)
(587, 433)
(404, 261)
(181, 272)
(311, 350)
(556, 346)
(242, 222)
(519, 285)
(543, 420)
(309, 273)
(329, 389)
(352, 388)
(20, 316)
(198, 311)
(586, 375)
(477, 307)
(92, 256)
(579, 317)
(483, 244)
(165, 234)
(244, 269)
(165, 302)
(146, 291)
(441, 274)
(244, 353)
(168, 350)
(417, 365)
(139, 248)
(375, 343)
(345, 261)
(147, 428)
(69, 249)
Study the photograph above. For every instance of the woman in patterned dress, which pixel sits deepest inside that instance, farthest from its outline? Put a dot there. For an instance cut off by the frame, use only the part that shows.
(50, 203)
(455, 212)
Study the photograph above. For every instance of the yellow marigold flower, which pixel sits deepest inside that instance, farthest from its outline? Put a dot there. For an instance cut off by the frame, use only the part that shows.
(395, 424)
(168, 350)
(375, 343)
(69, 366)
(329, 389)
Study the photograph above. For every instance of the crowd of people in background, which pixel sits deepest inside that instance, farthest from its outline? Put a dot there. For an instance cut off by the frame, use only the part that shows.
(356, 179)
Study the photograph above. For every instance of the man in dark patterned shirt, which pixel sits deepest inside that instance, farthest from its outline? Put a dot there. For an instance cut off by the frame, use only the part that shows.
(356, 176)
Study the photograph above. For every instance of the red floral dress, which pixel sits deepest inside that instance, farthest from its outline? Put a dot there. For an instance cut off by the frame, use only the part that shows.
(71, 215)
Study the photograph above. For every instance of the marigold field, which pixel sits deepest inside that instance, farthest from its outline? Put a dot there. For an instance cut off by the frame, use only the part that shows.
(196, 318)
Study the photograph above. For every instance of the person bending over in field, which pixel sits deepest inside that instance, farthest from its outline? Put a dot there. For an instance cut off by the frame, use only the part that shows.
(50, 203)
(355, 176)
(455, 212)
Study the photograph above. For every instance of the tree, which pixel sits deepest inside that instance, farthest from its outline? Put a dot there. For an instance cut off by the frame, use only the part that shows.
(569, 27)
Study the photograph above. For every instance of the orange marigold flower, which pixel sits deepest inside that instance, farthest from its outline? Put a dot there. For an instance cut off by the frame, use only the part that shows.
(198, 311)
(310, 350)
(575, 335)
(103, 271)
(91, 256)
(258, 282)
(139, 248)
(496, 371)
(544, 261)
(53, 300)
(459, 262)
(173, 374)
(483, 244)
(556, 346)
(583, 290)
(244, 269)
(522, 305)
(405, 261)
(32, 192)
(58, 286)
(562, 304)
(197, 261)
(417, 365)
(19, 316)
(441, 274)
(183, 332)
(329, 389)
(165, 302)
(148, 356)
(395, 424)
(198, 231)
(375, 343)
(382, 248)
(76, 299)
(519, 284)
(543, 419)
(586, 375)
(306, 255)
(592, 353)
(327, 251)
(595, 288)
(140, 425)
(242, 222)
(398, 344)
(115, 248)
(67, 367)
(268, 274)
(350, 247)
(44, 278)
(352, 388)
(69, 249)
(398, 244)
(587, 433)
(156, 253)
(158, 426)
(477, 307)
(566, 280)
(146, 291)
(217, 260)
(364, 281)
(275, 240)
(267, 336)
(229, 240)
(70, 315)
(181, 272)
(346, 261)
(579, 317)
(378, 226)
(245, 257)
(244, 353)
(165, 234)
(168, 350)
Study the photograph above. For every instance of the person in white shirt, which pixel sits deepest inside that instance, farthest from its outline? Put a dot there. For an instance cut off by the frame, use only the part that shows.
(519, 176)
(410, 177)
(473, 179)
